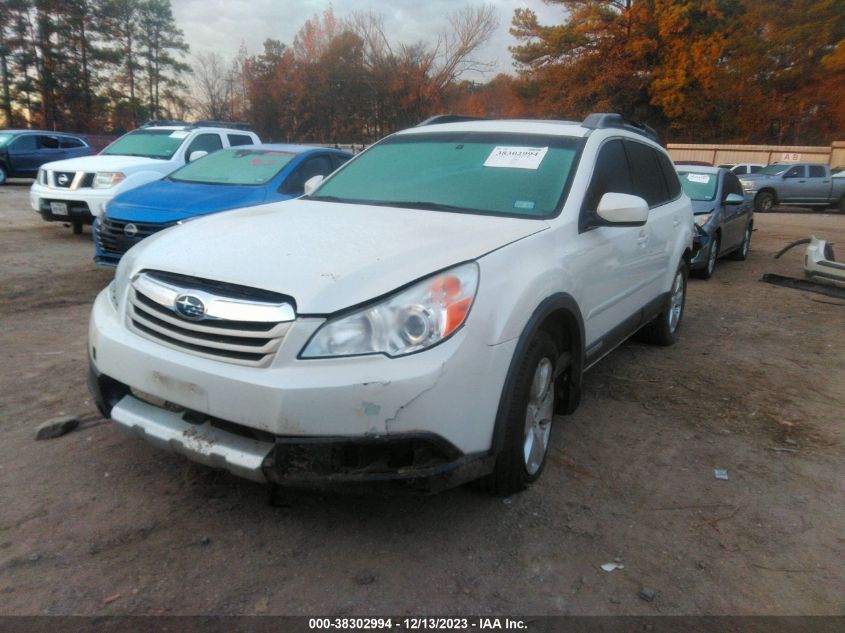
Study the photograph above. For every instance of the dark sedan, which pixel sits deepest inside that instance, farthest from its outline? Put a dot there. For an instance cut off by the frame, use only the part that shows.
(22, 152)
(724, 218)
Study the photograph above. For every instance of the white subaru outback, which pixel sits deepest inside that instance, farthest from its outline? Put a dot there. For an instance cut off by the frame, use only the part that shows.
(418, 317)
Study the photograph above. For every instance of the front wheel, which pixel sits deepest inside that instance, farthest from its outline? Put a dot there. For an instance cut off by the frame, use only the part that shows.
(663, 330)
(529, 419)
(741, 254)
(712, 256)
(764, 202)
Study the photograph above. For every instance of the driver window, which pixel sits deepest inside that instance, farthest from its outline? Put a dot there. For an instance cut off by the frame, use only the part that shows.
(795, 172)
(316, 166)
(611, 175)
(205, 143)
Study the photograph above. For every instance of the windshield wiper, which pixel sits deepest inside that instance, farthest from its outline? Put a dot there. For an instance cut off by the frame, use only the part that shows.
(422, 204)
(407, 204)
(335, 199)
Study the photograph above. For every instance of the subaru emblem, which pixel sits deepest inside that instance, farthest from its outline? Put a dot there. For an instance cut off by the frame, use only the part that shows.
(190, 307)
(130, 230)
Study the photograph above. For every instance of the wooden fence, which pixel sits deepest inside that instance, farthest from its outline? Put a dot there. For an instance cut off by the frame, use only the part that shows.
(834, 155)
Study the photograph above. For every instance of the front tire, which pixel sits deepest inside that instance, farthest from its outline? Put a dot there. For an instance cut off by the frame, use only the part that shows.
(3, 175)
(741, 254)
(529, 419)
(712, 256)
(663, 330)
(764, 202)
(77, 228)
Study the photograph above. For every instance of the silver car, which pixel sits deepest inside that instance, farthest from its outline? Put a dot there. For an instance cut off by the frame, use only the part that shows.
(724, 217)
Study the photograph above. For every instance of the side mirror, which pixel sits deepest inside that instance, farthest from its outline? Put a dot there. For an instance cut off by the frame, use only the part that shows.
(312, 183)
(621, 208)
(196, 155)
(734, 199)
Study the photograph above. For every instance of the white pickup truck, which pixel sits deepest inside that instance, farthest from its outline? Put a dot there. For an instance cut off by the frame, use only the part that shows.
(77, 190)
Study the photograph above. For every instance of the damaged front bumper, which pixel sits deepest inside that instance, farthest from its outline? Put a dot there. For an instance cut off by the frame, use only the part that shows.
(414, 461)
(700, 248)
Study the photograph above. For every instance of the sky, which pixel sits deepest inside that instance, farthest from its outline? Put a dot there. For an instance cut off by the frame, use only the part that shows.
(223, 25)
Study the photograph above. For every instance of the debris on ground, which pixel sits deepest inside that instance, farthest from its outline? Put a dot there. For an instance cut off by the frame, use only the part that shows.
(111, 599)
(720, 473)
(612, 566)
(803, 284)
(56, 427)
(647, 594)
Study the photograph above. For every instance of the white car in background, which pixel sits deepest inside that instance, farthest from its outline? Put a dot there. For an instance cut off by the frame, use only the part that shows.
(418, 317)
(741, 169)
(77, 190)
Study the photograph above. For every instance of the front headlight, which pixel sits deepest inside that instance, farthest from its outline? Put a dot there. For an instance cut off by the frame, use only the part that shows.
(747, 184)
(106, 179)
(411, 320)
(118, 287)
(702, 218)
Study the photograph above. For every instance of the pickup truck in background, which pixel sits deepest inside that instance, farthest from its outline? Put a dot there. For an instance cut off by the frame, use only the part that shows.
(76, 191)
(798, 184)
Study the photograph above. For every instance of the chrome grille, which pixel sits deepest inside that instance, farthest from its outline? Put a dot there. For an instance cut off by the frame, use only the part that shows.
(111, 237)
(233, 328)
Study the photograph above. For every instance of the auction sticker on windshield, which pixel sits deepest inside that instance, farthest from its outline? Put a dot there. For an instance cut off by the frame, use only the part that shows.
(702, 178)
(516, 157)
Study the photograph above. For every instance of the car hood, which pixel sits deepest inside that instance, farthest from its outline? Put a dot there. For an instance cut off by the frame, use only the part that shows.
(171, 201)
(757, 177)
(110, 163)
(327, 256)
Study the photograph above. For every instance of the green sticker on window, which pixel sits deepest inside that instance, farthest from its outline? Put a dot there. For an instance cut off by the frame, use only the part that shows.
(523, 204)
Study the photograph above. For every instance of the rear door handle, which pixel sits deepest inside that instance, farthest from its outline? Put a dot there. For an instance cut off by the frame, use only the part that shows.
(675, 221)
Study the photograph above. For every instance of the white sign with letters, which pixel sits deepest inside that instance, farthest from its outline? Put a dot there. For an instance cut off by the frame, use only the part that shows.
(516, 157)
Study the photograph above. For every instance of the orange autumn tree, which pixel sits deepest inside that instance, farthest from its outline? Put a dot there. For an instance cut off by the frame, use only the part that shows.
(695, 69)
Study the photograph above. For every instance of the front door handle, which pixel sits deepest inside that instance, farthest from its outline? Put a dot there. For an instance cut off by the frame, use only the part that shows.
(642, 238)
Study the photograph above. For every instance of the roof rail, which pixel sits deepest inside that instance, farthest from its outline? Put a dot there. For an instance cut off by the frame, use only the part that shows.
(235, 125)
(449, 118)
(602, 120)
(162, 122)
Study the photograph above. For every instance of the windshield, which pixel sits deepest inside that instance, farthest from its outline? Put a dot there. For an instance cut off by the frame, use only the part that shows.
(490, 173)
(5, 138)
(147, 143)
(234, 167)
(774, 170)
(699, 186)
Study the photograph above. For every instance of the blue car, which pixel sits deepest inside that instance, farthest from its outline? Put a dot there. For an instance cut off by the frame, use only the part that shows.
(227, 179)
(22, 152)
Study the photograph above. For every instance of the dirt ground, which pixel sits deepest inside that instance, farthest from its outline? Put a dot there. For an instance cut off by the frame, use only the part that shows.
(99, 523)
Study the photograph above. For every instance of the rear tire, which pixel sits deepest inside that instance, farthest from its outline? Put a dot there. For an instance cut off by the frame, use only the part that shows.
(841, 205)
(663, 330)
(3, 175)
(529, 419)
(764, 202)
(77, 228)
